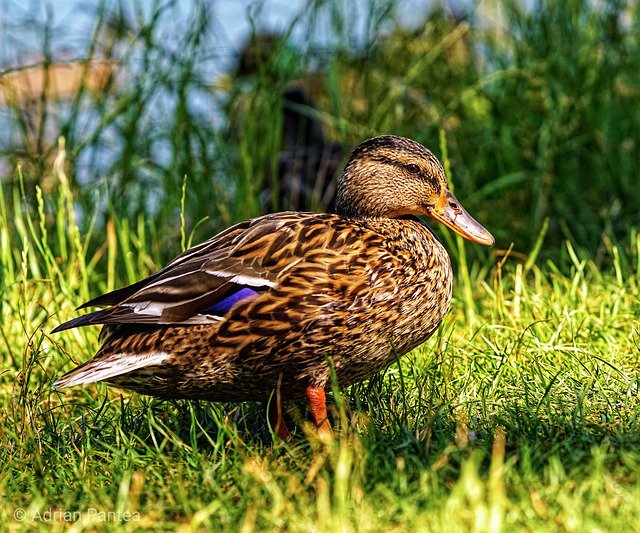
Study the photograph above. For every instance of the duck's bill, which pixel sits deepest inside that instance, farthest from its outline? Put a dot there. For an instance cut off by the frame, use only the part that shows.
(453, 215)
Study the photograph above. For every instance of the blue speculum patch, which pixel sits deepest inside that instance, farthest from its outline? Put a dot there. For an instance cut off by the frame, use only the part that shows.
(223, 306)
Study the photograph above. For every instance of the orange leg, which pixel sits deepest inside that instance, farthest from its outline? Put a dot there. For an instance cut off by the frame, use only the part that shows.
(275, 418)
(318, 406)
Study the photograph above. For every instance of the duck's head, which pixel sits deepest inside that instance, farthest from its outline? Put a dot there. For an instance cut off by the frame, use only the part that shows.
(391, 177)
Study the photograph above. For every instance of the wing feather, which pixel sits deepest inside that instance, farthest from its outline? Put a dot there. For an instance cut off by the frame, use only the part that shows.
(252, 254)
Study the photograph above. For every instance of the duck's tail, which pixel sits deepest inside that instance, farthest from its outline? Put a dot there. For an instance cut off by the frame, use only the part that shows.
(103, 368)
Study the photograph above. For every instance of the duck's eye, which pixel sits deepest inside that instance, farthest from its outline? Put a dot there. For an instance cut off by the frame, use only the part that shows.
(413, 168)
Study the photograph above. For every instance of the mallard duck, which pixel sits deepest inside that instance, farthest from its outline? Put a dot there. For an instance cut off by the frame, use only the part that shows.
(269, 308)
(309, 164)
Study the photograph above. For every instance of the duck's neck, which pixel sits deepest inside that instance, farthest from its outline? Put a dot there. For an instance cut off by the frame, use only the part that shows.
(411, 233)
(426, 227)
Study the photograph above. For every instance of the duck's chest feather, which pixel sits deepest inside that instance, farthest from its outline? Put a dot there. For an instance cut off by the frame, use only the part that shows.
(411, 285)
(408, 295)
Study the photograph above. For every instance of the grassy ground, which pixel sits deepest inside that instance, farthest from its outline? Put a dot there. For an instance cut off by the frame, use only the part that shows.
(522, 413)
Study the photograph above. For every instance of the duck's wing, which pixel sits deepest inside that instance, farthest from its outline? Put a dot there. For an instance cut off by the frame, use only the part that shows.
(199, 251)
(202, 284)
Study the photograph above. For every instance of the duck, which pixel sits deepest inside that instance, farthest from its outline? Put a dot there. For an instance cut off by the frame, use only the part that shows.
(282, 306)
(308, 165)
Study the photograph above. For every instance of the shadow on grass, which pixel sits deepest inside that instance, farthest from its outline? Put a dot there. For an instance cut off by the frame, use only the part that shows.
(423, 428)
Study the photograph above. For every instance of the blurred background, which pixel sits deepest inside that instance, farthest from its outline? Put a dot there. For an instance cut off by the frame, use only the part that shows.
(235, 108)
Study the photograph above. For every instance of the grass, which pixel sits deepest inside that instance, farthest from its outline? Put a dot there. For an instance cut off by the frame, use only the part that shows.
(524, 415)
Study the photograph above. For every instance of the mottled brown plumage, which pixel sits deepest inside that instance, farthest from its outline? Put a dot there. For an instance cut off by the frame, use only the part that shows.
(273, 303)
